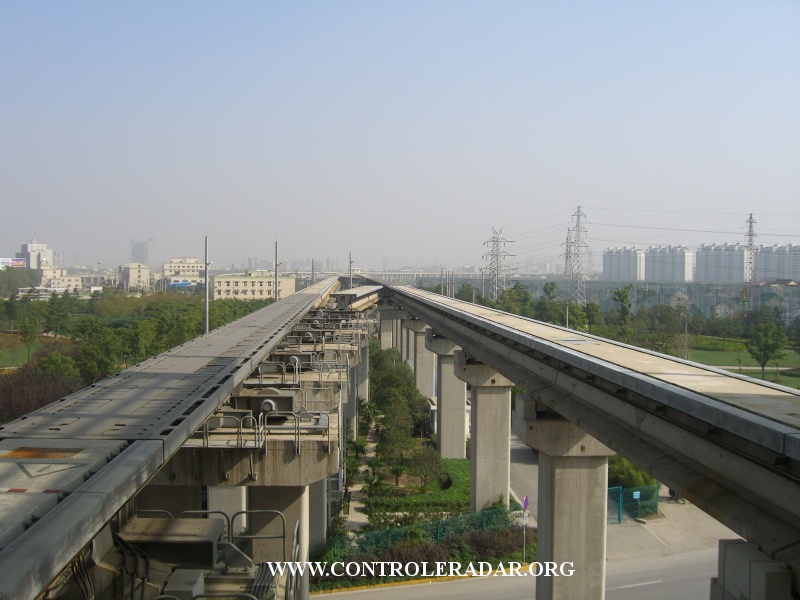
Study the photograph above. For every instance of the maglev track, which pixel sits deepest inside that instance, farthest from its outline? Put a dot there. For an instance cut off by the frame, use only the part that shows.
(729, 443)
(70, 466)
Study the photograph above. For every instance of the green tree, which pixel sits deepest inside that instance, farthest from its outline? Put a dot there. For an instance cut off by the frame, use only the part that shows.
(427, 465)
(29, 331)
(622, 296)
(57, 318)
(794, 334)
(766, 344)
(594, 316)
(57, 363)
(577, 318)
(12, 310)
(100, 348)
(467, 292)
(623, 473)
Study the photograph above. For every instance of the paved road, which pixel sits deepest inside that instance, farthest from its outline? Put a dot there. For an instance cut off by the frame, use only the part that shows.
(684, 576)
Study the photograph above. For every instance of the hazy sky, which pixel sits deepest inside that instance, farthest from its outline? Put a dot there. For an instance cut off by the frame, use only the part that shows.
(402, 131)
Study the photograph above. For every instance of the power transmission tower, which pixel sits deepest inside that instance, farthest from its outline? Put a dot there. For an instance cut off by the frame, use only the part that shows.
(576, 247)
(496, 258)
(750, 251)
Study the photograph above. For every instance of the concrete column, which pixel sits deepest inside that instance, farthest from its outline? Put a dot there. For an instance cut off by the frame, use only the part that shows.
(362, 383)
(293, 502)
(573, 484)
(490, 421)
(390, 336)
(230, 500)
(744, 572)
(451, 399)
(318, 515)
(408, 344)
(424, 360)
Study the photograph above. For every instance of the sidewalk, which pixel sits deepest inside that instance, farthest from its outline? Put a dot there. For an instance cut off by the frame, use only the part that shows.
(683, 528)
(357, 515)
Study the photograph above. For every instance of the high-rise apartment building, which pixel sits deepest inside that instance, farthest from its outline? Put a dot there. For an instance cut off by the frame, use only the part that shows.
(725, 263)
(624, 264)
(778, 262)
(669, 263)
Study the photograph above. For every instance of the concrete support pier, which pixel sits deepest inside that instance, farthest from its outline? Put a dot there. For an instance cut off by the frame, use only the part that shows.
(451, 398)
(746, 573)
(293, 502)
(390, 324)
(424, 361)
(573, 483)
(490, 421)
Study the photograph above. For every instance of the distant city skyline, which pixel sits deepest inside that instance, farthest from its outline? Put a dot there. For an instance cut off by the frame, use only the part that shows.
(401, 132)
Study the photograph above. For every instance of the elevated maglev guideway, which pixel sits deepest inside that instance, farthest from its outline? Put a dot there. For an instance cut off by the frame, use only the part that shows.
(728, 443)
(80, 459)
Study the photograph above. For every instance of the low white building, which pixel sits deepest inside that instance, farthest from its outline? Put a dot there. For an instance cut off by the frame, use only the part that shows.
(59, 278)
(184, 271)
(134, 277)
(252, 285)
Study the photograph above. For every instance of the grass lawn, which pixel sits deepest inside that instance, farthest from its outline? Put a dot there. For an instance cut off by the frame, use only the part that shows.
(789, 378)
(729, 359)
(14, 354)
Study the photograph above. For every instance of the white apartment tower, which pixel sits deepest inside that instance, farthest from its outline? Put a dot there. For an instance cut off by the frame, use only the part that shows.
(778, 262)
(725, 263)
(669, 263)
(623, 264)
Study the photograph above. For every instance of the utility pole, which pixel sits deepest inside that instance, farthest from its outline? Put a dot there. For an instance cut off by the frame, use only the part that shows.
(205, 306)
(750, 251)
(350, 258)
(497, 266)
(276, 271)
(578, 288)
(312, 271)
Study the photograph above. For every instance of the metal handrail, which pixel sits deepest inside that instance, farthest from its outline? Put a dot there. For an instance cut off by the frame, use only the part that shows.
(295, 426)
(222, 417)
(232, 537)
(225, 595)
(137, 512)
(258, 429)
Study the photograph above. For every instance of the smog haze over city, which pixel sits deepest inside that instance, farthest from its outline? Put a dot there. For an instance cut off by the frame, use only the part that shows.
(403, 132)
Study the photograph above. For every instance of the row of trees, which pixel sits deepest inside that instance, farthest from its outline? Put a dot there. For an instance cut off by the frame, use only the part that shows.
(98, 337)
(664, 328)
(400, 414)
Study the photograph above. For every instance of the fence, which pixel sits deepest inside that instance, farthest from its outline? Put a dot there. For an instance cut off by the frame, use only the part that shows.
(370, 542)
(626, 504)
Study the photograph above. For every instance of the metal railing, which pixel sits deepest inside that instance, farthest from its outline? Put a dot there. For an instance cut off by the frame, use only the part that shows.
(627, 504)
